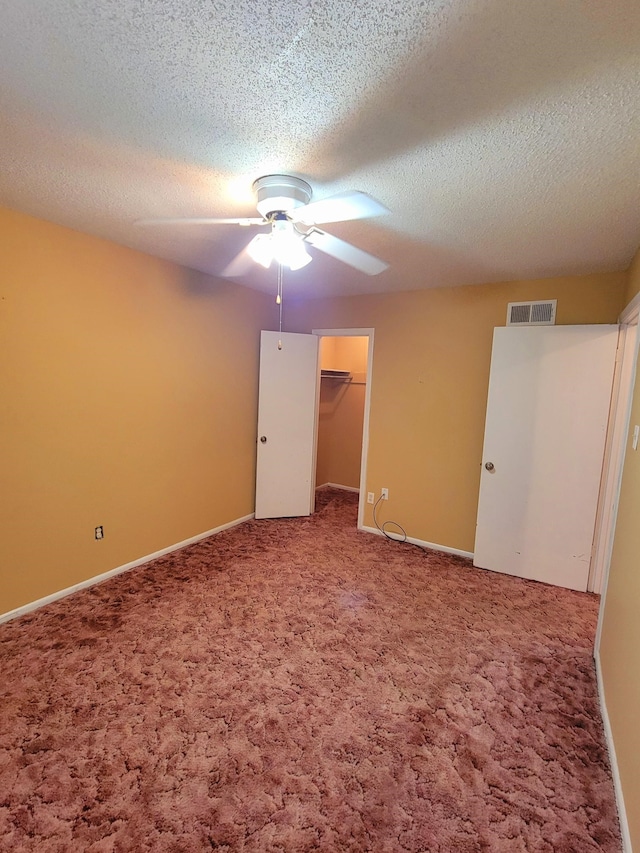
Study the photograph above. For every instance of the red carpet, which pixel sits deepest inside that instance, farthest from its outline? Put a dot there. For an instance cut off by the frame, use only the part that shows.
(296, 685)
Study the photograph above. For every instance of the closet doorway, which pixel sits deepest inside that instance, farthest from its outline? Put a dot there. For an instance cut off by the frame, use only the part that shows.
(346, 363)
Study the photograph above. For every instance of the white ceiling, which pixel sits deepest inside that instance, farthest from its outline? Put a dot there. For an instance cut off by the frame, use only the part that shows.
(503, 136)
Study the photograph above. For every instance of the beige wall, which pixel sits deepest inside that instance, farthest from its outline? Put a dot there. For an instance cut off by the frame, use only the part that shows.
(341, 411)
(620, 642)
(633, 279)
(429, 388)
(121, 405)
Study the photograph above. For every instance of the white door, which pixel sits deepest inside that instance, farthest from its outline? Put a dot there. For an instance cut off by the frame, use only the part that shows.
(547, 412)
(287, 403)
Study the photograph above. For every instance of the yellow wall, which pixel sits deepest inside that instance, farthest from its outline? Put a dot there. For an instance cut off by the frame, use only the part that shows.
(121, 405)
(429, 387)
(633, 280)
(620, 642)
(341, 411)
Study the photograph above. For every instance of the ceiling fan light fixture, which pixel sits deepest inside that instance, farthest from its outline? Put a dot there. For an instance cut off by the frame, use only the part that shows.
(288, 248)
(280, 193)
(298, 258)
(284, 202)
(260, 249)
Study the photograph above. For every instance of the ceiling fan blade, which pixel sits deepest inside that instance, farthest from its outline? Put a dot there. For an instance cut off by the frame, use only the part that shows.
(345, 252)
(206, 220)
(242, 262)
(339, 208)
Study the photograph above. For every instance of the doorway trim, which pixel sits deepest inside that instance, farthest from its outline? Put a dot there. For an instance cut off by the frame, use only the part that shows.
(614, 464)
(620, 410)
(621, 418)
(358, 333)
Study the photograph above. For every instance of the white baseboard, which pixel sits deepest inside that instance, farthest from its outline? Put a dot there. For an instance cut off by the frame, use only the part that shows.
(63, 593)
(430, 545)
(338, 486)
(617, 783)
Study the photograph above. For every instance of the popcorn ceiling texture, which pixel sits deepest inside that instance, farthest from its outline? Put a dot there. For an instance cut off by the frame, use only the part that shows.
(297, 685)
(502, 136)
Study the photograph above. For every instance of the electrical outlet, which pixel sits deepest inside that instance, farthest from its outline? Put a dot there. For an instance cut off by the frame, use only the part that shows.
(99, 532)
(385, 494)
(370, 497)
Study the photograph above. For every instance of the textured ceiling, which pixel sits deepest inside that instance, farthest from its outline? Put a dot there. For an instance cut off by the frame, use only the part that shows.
(503, 136)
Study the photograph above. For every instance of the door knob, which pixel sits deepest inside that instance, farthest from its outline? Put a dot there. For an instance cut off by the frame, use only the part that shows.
(489, 466)
(263, 439)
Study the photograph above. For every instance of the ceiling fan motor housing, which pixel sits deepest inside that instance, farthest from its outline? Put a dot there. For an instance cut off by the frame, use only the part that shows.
(280, 193)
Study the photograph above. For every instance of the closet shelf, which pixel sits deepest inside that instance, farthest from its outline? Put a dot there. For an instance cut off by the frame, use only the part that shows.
(338, 375)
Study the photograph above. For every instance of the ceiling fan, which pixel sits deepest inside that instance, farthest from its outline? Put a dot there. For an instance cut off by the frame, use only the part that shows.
(284, 204)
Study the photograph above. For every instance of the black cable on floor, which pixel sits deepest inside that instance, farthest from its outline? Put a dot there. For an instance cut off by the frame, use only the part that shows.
(382, 529)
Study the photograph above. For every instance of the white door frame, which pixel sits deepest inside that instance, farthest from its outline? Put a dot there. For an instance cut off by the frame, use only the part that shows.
(613, 455)
(358, 333)
(622, 396)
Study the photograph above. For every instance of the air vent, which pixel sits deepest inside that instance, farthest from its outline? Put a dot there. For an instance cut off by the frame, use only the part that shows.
(542, 313)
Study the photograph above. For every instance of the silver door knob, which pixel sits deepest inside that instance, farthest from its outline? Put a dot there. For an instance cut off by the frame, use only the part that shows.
(489, 466)
(263, 439)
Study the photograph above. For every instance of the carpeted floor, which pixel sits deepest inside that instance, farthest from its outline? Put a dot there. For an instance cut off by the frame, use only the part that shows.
(296, 685)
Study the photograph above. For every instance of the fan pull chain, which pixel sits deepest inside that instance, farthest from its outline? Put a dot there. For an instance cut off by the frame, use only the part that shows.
(279, 301)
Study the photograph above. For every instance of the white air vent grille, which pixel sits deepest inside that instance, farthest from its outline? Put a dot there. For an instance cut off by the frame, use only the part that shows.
(542, 313)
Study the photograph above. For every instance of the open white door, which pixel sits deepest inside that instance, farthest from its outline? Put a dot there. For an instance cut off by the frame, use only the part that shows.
(547, 411)
(287, 403)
